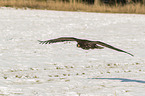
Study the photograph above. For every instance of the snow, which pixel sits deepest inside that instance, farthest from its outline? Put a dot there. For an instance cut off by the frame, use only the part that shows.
(31, 69)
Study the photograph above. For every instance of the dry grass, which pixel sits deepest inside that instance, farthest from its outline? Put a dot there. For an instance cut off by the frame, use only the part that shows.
(128, 8)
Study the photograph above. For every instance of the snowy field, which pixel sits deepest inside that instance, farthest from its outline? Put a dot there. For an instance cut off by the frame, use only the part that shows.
(28, 68)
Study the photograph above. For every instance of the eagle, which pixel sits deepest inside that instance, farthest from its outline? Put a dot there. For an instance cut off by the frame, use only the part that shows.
(84, 44)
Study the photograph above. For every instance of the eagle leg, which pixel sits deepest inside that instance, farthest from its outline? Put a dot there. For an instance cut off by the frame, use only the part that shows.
(98, 47)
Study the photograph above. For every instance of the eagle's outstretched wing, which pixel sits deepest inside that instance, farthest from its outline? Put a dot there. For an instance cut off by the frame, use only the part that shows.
(109, 46)
(61, 39)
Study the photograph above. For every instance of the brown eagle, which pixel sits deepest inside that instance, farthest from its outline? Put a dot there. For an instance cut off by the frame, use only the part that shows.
(83, 43)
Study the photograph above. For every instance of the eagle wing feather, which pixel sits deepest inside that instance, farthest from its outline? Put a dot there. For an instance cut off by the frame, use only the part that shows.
(61, 39)
(111, 47)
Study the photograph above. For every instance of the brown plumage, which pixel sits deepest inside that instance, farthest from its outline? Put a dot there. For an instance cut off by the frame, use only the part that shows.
(84, 44)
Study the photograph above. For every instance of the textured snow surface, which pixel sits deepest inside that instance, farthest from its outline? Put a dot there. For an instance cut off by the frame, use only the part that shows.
(31, 69)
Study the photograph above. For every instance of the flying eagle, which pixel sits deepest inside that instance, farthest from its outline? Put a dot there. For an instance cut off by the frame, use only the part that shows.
(83, 43)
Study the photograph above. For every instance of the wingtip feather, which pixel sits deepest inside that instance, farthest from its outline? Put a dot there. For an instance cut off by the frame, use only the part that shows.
(40, 42)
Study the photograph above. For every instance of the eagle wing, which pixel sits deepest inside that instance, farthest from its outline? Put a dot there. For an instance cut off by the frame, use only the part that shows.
(111, 47)
(61, 39)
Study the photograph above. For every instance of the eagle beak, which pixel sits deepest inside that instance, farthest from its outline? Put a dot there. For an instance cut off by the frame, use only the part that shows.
(78, 45)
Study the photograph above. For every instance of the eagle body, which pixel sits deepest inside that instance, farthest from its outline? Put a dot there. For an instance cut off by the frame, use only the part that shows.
(84, 44)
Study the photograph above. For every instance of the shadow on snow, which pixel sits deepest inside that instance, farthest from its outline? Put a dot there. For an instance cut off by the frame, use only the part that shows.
(122, 79)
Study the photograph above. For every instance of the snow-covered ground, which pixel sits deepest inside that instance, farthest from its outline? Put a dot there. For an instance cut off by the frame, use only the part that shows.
(28, 68)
